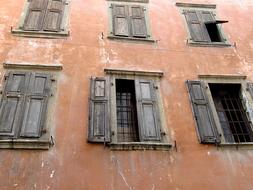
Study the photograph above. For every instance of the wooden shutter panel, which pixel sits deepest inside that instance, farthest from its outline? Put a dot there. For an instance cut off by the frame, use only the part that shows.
(147, 111)
(11, 102)
(35, 15)
(138, 23)
(99, 111)
(35, 106)
(206, 129)
(196, 26)
(54, 16)
(120, 20)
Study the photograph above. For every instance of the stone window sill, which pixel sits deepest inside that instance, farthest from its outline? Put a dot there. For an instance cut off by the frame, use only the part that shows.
(206, 44)
(246, 145)
(40, 34)
(43, 144)
(140, 146)
(131, 38)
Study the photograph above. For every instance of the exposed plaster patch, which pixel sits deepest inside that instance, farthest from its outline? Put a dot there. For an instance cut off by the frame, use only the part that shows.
(15, 185)
(153, 187)
(52, 174)
(208, 153)
(42, 164)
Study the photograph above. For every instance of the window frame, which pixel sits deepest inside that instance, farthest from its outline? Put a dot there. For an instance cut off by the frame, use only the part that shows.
(247, 101)
(18, 31)
(183, 7)
(46, 140)
(111, 35)
(164, 143)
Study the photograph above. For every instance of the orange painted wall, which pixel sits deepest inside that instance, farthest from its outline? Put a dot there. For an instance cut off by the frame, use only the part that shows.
(72, 163)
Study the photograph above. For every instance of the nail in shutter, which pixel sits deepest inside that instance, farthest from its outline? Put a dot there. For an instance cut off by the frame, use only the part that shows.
(11, 103)
(36, 105)
(35, 15)
(196, 26)
(54, 16)
(120, 20)
(138, 23)
(147, 111)
(205, 126)
(99, 111)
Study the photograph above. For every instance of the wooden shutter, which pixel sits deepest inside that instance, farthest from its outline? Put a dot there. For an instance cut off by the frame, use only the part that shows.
(35, 15)
(120, 20)
(99, 111)
(205, 125)
(147, 111)
(196, 26)
(54, 16)
(35, 105)
(11, 103)
(138, 23)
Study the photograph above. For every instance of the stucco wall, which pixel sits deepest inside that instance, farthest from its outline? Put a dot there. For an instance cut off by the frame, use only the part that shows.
(72, 163)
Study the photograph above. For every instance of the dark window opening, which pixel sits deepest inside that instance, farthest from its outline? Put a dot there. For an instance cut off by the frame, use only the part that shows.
(232, 116)
(127, 125)
(213, 32)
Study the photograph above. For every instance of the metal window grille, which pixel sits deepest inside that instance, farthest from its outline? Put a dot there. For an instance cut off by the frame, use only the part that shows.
(232, 116)
(127, 127)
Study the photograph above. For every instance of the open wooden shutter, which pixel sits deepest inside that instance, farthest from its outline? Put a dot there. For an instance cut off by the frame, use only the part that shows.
(35, 105)
(99, 130)
(120, 20)
(35, 15)
(54, 16)
(138, 23)
(196, 26)
(11, 103)
(205, 125)
(147, 111)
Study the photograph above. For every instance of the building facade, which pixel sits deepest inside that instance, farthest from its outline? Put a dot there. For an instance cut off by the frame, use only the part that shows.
(126, 94)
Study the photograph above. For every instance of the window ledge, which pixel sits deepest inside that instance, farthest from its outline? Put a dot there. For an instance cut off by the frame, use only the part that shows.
(25, 144)
(140, 146)
(131, 39)
(39, 34)
(246, 145)
(211, 44)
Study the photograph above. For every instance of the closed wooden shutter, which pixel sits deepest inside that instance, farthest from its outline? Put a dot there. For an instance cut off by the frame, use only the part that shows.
(35, 15)
(12, 102)
(54, 16)
(196, 26)
(205, 126)
(99, 111)
(35, 106)
(147, 111)
(120, 20)
(138, 23)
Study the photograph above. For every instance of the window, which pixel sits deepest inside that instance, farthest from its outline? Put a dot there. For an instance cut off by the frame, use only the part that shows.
(129, 21)
(25, 101)
(125, 111)
(221, 106)
(46, 18)
(203, 27)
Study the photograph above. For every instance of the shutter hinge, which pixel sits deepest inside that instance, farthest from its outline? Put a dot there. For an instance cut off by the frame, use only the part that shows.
(6, 77)
(43, 131)
(51, 94)
(163, 133)
(144, 9)
(53, 79)
(52, 141)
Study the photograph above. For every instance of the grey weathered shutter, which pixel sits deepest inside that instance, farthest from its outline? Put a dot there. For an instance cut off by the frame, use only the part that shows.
(120, 20)
(147, 111)
(11, 103)
(35, 15)
(138, 23)
(35, 105)
(250, 88)
(196, 26)
(207, 132)
(54, 16)
(99, 130)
